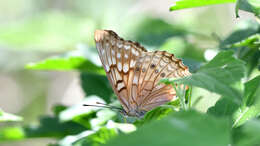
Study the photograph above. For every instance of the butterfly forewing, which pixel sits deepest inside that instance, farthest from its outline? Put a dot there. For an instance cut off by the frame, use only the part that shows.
(134, 73)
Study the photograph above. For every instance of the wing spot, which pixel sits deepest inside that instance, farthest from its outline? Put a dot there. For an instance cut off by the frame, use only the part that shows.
(143, 70)
(152, 66)
(163, 74)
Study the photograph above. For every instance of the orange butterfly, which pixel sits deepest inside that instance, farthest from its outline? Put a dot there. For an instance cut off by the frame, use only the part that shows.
(134, 72)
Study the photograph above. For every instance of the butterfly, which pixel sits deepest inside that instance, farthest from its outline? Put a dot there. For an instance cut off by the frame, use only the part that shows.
(134, 73)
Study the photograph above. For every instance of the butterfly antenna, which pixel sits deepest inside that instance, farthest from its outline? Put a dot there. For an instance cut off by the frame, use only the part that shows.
(105, 106)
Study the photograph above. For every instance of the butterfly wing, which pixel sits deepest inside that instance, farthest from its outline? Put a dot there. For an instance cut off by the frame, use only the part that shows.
(119, 58)
(134, 73)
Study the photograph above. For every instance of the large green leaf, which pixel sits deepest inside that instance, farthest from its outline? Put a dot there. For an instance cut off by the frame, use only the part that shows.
(183, 4)
(219, 76)
(94, 84)
(184, 128)
(85, 60)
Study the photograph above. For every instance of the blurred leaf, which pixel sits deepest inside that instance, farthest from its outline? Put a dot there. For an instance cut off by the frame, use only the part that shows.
(57, 109)
(7, 117)
(184, 128)
(50, 31)
(11, 133)
(71, 139)
(248, 134)
(48, 127)
(252, 6)
(154, 32)
(52, 127)
(183, 4)
(244, 30)
(94, 84)
(98, 138)
(223, 107)
(101, 118)
(83, 60)
(222, 72)
(78, 110)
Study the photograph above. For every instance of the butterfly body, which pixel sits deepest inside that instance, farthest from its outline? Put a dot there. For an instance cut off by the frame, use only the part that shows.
(134, 73)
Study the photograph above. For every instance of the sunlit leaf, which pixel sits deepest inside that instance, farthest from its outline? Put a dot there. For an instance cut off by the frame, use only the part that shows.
(12, 133)
(5, 117)
(183, 4)
(84, 60)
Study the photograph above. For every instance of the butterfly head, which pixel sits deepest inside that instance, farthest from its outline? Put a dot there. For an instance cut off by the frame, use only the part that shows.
(135, 113)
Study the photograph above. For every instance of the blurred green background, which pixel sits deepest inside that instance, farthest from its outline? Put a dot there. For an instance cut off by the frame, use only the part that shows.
(32, 30)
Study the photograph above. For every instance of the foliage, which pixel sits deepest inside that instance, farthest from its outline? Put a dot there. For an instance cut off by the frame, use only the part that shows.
(233, 74)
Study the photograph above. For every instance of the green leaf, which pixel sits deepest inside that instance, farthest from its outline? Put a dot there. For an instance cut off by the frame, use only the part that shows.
(251, 87)
(183, 4)
(94, 84)
(252, 6)
(184, 128)
(84, 60)
(243, 114)
(155, 114)
(7, 117)
(219, 75)
(248, 134)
